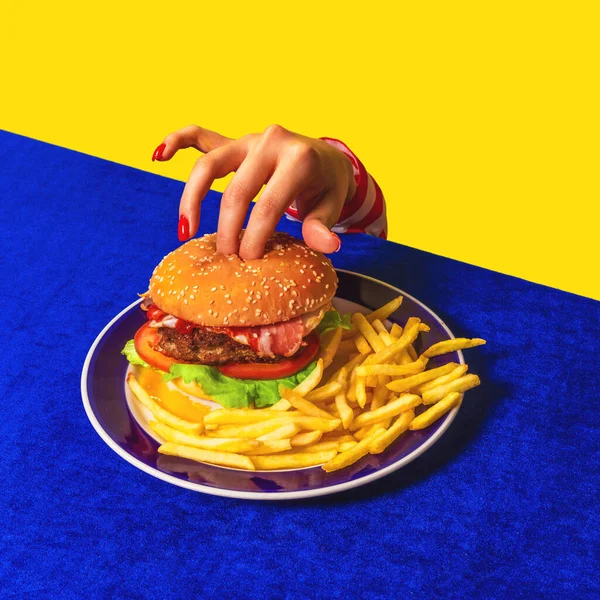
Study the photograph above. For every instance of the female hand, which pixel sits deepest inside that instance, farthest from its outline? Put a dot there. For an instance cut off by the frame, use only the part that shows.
(316, 176)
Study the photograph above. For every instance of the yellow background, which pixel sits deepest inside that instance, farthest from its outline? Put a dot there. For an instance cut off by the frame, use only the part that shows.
(479, 120)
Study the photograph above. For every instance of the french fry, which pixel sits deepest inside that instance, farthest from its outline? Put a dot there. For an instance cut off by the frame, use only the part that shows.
(362, 345)
(408, 355)
(386, 310)
(345, 413)
(391, 409)
(408, 337)
(393, 370)
(424, 327)
(285, 431)
(225, 459)
(270, 447)
(310, 423)
(412, 353)
(350, 456)
(402, 385)
(297, 460)
(282, 405)
(360, 391)
(362, 433)
(378, 326)
(329, 390)
(433, 413)
(158, 412)
(459, 371)
(402, 358)
(330, 344)
(460, 385)
(255, 430)
(321, 447)
(400, 425)
(338, 437)
(251, 431)
(343, 446)
(452, 346)
(351, 391)
(349, 366)
(206, 443)
(240, 416)
(380, 395)
(304, 406)
(396, 330)
(368, 333)
(370, 381)
(305, 438)
(312, 381)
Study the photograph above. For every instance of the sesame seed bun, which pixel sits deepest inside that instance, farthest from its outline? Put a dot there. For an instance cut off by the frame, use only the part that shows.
(196, 284)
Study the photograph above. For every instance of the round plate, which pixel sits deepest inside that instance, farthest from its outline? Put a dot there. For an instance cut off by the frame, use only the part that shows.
(105, 401)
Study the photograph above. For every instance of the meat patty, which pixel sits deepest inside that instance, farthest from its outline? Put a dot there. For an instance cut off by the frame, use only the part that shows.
(206, 347)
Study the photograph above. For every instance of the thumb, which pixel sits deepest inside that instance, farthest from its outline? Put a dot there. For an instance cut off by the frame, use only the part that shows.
(316, 226)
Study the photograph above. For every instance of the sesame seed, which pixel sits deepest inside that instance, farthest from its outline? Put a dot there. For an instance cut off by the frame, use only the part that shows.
(216, 314)
(227, 295)
(192, 297)
(213, 289)
(229, 302)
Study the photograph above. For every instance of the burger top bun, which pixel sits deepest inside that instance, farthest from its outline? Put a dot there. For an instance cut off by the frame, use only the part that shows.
(196, 284)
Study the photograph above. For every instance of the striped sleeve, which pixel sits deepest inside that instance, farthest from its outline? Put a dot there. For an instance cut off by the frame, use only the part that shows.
(365, 212)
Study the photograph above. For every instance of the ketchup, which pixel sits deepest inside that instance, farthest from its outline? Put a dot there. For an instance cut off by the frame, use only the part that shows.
(184, 327)
(155, 314)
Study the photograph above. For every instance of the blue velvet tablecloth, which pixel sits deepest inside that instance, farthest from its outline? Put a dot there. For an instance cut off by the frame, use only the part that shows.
(505, 505)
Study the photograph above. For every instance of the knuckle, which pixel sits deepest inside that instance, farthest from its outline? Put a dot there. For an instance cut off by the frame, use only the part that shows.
(206, 162)
(303, 153)
(267, 208)
(275, 131)
(236, 191)
(172, 139)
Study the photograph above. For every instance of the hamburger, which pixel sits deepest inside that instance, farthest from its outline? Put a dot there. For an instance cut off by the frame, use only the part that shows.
(233, 330)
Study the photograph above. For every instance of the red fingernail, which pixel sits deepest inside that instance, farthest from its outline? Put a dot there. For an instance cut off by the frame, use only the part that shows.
(339, 242)
(158, 152)
(183, 229)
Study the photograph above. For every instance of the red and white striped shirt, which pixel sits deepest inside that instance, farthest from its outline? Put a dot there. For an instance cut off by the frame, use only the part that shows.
(365, 212)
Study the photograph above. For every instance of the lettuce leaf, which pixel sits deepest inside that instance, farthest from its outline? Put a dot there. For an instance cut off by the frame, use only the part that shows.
(132, 356)
(236, 393)
(332, 320)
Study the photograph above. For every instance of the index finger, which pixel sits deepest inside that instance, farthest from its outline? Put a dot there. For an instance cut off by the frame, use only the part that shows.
(211, 166)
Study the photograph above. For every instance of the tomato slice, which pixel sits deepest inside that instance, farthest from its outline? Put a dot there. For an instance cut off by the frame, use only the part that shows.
(283, 368)
(145, 339)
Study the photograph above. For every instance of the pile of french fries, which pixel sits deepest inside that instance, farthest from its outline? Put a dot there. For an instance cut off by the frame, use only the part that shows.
(330, 419)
